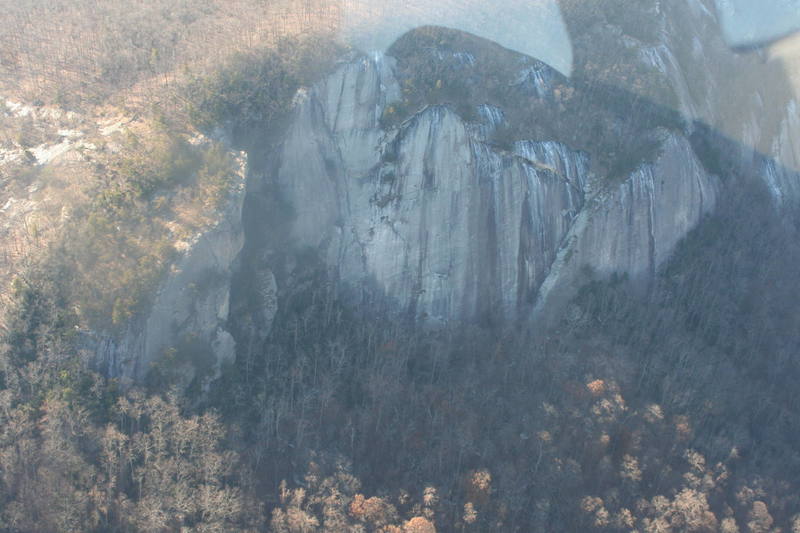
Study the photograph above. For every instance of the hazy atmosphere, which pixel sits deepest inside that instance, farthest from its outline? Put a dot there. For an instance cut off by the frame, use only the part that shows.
(301, 266)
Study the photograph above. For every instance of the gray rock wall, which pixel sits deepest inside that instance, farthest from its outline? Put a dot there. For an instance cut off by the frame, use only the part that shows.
(449, 227)
(445, 226)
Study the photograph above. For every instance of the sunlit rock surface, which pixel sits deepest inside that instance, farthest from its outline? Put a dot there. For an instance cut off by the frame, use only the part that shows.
(449, 227)
(442, 225)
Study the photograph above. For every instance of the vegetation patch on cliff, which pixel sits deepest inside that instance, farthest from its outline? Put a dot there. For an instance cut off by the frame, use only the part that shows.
(253, 92)
(604, 109)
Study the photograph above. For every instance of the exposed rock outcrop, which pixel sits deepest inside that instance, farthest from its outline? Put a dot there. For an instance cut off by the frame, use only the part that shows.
(187, 320)
(449, 227)
(442, 220)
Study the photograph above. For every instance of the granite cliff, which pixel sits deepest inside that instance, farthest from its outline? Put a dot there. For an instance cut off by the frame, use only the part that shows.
(446, 198)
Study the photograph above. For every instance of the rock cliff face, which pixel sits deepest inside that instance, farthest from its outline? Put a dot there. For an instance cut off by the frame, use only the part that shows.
(632, 228)
(449, 227)
(446, 225)
(442, 224)
(427, 214)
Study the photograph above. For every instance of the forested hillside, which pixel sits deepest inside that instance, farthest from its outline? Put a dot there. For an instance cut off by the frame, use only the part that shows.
(86, 52)
(658, 402)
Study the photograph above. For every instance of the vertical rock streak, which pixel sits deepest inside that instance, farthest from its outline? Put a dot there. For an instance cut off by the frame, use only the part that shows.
(454, 228)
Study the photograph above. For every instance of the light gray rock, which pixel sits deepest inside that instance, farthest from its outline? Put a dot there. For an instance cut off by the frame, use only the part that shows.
(632, 228)
(443, 226)
(447, 227)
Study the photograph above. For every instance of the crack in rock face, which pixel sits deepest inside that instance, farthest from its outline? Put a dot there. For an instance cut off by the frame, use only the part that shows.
(447, 226)
(439, 219)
